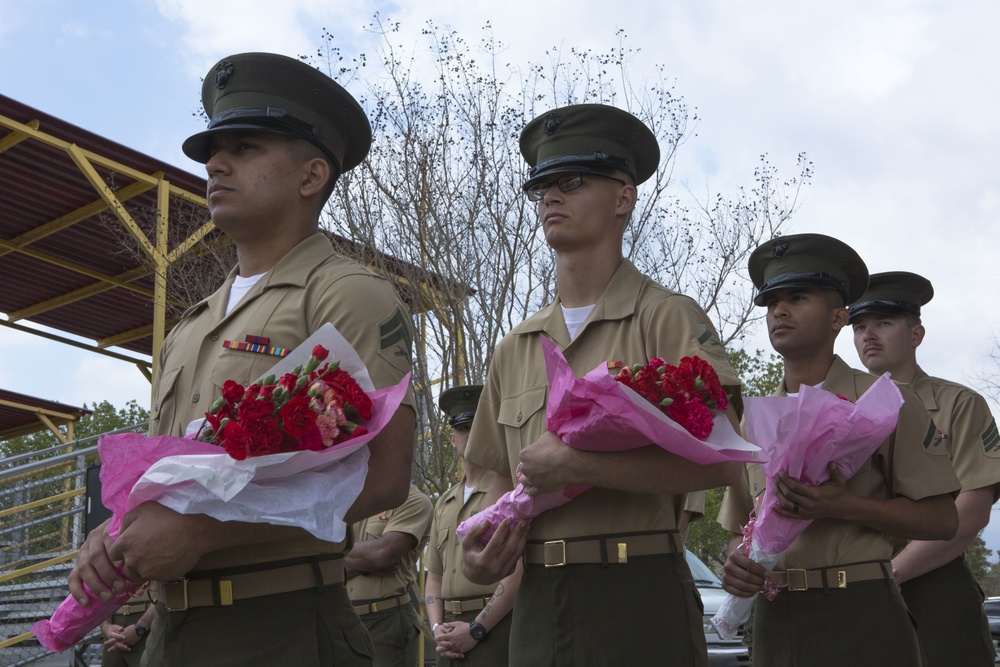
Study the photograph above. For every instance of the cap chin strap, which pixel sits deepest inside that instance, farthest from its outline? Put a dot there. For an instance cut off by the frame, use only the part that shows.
(598, 160)
(887, 306)
(274, 118)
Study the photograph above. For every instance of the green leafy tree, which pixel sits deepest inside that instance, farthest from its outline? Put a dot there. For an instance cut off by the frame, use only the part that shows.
(984, 566)
(104, 417)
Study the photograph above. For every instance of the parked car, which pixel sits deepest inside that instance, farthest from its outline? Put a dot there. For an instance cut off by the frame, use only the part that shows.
(992, 608)
(721, 652)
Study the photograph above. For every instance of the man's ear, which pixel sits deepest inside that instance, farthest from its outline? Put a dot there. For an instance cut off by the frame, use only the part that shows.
(918, 335)
(626, 199)
(316, 173)
(840, 317)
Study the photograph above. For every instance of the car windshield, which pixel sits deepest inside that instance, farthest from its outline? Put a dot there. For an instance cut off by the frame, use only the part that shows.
(703, 576)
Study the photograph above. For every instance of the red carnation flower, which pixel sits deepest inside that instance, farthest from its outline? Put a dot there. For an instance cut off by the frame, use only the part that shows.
(320, 353)
(296, 417)
(232, 391)
(342, 382)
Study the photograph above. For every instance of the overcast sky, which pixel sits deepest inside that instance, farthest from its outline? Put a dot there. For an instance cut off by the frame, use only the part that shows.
(895, 102)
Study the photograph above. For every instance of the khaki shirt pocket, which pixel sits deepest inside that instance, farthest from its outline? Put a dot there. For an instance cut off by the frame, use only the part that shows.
(519, 411)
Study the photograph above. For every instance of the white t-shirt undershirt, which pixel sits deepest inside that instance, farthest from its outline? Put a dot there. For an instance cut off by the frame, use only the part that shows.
(574, 318)
(469, 490)
(239, 290)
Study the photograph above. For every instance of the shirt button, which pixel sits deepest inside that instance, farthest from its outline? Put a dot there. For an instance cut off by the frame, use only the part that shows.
(569, 359)
(196, 398)
(214, 337)
(518, 418)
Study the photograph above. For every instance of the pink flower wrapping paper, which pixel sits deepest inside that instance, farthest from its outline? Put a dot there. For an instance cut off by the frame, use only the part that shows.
(308, 489)
(801, 436)
(597, 413)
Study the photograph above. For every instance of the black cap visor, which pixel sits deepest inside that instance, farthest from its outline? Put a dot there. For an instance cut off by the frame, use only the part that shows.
(883, 307)
(584, 163)
(800, 280)
(198, 147)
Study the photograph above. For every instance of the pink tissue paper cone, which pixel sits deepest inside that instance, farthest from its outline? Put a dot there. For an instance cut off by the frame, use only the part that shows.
(598, 413)
(801, 436)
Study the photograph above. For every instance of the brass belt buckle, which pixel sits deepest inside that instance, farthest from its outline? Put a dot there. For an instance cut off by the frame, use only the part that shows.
(545, 553)
(841, 579)
(172, 586)
(805, 579)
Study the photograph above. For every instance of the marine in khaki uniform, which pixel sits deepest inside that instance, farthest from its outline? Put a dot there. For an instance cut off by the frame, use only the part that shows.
(457, 607)
(125, 632)
(605, 578)
(838, 605)
(937, 584)
(381, 568)
(242, 594)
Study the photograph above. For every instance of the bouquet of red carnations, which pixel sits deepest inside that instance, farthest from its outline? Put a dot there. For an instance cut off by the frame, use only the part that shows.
(294, 455)
(679, 408)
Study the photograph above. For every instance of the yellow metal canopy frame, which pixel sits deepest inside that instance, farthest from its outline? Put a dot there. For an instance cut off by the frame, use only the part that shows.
(65, 271)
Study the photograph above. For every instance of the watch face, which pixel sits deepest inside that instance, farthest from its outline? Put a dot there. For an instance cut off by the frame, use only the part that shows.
(139, 630)
(476, 630)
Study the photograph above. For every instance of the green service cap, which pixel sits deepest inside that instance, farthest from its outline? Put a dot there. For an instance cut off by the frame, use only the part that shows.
(275, 93)
(893, 293)
(589, 138)
(459, 403)
(807, 260)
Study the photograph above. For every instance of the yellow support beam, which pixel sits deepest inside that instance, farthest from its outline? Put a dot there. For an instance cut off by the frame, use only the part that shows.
(76, 268)
(37, 566)
(127, 336)
(76, 216)
(14, 138)
(52, 427)
(162, 263)
(87, 169)
(76, 295)
(31, 408)
(44, 501)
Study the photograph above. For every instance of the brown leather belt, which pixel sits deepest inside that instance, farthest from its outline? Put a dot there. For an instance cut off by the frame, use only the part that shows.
(836, 576)
(223, 590)
(131, 609)
(464, 605)
(372, 606)
(601, 549)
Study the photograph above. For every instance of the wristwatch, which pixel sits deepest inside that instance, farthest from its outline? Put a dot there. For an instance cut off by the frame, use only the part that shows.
(477, 631)
(139, 630)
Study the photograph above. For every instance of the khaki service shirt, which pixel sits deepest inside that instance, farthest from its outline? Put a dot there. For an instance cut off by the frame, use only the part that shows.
(444, 552)
(634, 320)
(967, 427)
(909, 463)
(309, 287)
(413, 518)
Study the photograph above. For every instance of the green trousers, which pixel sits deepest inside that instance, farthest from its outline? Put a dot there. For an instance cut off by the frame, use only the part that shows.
(645, 612)
(951, 624)
(308, 628)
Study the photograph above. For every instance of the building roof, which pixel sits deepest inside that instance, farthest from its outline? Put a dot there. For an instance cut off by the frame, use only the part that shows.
(21, 415)
(62, 260)
(78, 237)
